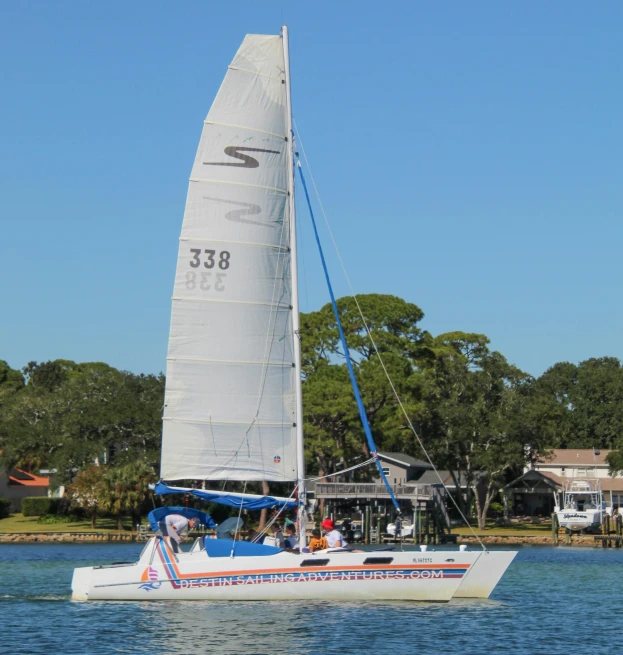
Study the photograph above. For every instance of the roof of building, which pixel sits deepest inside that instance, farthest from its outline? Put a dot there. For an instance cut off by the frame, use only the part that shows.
(532, 479)
(405, 460)
(612, 484)
(24, 479)
(432, 477)
(607, 484)
(575, 457)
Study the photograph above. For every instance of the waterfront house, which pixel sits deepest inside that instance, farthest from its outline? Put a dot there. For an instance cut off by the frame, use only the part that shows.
(400, 469)
(17, 484)
(532, 493)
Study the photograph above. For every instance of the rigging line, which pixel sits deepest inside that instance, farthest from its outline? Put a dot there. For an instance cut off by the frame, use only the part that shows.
(245, 362)
(235, 243)
(208, 180)
(212, 433)
(276, 516)
(376, 350)
(234, 302)
(282, 137)
(250, 72)
(198, 421)
(233, 541)
(362, 412)
(372, 460)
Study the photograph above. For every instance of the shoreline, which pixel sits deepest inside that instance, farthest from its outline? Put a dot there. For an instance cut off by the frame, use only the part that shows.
(66, 537)
(585, 540)
(129, 537)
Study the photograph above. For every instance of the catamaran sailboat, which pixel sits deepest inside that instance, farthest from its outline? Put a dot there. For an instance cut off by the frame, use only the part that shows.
(233, 404)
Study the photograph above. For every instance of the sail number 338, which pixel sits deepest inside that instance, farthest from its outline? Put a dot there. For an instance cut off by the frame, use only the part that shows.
(210, 259)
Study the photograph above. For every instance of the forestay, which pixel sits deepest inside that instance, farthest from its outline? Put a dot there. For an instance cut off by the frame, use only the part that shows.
(230, 386)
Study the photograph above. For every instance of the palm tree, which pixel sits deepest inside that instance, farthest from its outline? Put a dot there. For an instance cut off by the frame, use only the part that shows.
(126, 488)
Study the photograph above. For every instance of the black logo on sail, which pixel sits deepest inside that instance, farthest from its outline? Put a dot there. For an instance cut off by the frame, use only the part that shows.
(237, 215)
(237, 153)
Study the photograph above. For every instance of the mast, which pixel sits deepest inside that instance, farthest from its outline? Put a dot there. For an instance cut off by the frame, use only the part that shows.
(300, 453)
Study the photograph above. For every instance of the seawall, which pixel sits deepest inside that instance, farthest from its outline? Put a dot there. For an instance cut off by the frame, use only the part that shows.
(66, 537)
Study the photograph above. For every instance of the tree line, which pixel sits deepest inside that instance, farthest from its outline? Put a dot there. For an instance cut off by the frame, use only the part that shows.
(477, 415)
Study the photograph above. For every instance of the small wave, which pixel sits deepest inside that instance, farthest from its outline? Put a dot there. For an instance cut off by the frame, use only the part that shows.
(35, 597)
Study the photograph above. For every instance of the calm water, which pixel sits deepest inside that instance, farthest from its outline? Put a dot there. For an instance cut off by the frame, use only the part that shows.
(552, 601)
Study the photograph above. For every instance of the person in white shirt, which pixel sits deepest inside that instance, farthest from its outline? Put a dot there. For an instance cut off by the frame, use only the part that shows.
(280, 540)
(176, 526)
(334, 537)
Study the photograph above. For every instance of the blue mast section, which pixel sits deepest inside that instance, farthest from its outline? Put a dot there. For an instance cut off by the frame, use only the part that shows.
(351, 372)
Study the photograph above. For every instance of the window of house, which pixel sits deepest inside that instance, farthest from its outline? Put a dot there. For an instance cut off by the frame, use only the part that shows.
(581, 473)
(386, 470)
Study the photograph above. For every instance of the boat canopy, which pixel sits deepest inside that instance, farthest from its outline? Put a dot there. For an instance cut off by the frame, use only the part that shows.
(156, 515)
(225, 548)
(239, 501)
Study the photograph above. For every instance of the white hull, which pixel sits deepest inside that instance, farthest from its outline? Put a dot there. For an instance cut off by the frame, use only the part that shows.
(576, 521)
(485, 573)
(383, 575)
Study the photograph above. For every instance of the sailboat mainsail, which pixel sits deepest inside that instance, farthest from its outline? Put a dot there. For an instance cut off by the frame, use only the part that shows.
(230, 401)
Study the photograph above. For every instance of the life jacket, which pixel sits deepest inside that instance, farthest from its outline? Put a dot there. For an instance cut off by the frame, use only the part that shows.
(318, 544)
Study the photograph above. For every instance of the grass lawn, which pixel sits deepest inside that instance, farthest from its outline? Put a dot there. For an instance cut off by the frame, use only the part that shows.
(20, 523)
(513, 530)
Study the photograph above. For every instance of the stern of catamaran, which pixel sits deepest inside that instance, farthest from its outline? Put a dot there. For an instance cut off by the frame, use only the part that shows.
(485, 573)
(81, 582)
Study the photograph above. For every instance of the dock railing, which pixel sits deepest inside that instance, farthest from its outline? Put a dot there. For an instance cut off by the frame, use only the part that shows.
(372, 490)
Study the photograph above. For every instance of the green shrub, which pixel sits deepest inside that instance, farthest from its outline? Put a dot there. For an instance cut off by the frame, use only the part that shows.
(39, 506)
(53, 519)
(5, 507)
(496, 509)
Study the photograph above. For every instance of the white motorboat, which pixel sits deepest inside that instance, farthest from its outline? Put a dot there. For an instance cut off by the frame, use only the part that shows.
(582, 506)
(406, 529)
(233, 402)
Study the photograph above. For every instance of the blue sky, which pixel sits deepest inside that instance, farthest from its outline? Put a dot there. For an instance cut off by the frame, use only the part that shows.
(468, 156)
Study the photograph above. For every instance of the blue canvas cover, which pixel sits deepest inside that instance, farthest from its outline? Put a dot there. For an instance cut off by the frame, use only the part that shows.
(231, 500)
(156, 515)
(223, 548)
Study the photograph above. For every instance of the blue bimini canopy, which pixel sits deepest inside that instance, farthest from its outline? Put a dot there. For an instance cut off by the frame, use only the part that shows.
(239, 501)
(156, 515)
(224, 547)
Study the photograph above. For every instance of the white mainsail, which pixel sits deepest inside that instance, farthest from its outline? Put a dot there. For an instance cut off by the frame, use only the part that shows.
(230, 401)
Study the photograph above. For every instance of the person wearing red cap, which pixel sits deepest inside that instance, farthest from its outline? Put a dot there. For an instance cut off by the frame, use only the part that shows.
(334, 537)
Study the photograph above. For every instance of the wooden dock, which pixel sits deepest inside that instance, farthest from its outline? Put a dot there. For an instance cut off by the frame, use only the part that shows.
(609, 540)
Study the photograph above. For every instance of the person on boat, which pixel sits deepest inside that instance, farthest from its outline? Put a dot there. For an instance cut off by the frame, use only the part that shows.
(334, 537)
(254, 536)
(176, 526)
(317, 542)
(280, 541)
(292, 542)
